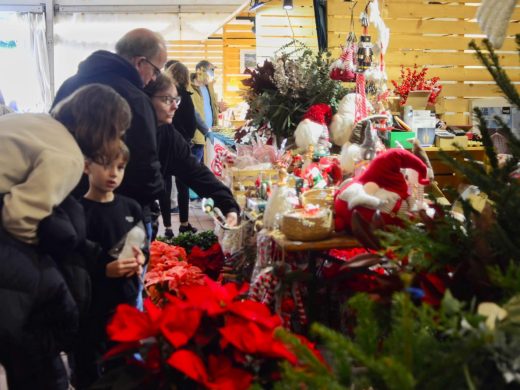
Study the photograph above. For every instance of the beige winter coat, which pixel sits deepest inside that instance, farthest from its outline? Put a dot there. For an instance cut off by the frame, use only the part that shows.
(40, 164)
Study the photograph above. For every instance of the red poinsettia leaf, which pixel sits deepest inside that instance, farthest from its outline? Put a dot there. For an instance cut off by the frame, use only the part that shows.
(212, 297)
(280, 351)
(190, 364)
(130, 324)
(179, 323)
(154, 311)
(252, 339)
(224, 376)
(305, 341)
(255, 311)
(121, 349)
(242, 336)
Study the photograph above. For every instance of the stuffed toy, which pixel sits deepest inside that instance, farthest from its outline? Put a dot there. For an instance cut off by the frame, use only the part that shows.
(344, 120)
(362, 147)
(313, 129)
(381, 187)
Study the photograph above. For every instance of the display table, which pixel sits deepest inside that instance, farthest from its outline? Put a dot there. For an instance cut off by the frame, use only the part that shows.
(338, 241)
(305, 249)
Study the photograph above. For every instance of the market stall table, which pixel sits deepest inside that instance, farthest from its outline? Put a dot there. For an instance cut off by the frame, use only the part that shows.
(336, 241)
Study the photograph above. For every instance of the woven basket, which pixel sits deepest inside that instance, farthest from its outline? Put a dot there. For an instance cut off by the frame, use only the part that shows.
(322, 197)
(300, 226)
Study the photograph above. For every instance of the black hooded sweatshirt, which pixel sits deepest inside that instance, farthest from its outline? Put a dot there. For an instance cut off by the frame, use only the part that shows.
(143, 180)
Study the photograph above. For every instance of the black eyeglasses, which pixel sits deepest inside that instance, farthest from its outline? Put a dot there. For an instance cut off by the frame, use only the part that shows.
(170, 99)
(156, 70)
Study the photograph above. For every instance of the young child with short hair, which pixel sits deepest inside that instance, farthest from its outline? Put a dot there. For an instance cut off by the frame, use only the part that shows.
(115, 280)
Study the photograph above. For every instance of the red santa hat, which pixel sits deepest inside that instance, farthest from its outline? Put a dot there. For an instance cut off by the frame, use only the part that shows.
(385, 171)
(320, 113)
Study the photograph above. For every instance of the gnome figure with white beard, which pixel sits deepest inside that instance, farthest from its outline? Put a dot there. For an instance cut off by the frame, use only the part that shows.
(313, 129)
(381, 187)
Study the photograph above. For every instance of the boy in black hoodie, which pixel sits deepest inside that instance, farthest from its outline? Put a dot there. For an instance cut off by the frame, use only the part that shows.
(115, 279)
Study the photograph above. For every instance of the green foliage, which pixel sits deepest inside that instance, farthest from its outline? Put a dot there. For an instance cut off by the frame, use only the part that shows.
(188, 240)
(420, 348)
(508, 280)
(281, 91)
(429, 247)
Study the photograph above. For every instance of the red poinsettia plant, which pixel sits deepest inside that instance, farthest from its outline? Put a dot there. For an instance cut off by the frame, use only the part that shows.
(207, 337)
(414, 79)
(168, 271)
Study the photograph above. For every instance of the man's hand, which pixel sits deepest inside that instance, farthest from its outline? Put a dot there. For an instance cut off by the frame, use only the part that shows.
(231, 219)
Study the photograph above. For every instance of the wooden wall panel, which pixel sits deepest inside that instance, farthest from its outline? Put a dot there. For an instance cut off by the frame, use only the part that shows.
(237, 37)
(276, 27)
(436, 35)
(191, 52)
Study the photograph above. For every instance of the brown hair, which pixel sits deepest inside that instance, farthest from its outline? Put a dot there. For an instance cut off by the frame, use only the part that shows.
(180, 73)
(97, 116)
(123, 153)
(161, 83)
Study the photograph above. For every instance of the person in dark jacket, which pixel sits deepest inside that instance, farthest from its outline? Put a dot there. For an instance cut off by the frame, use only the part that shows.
(185, 123)
(140, 54)
(41, 161)
(113, 222)
(175, 153)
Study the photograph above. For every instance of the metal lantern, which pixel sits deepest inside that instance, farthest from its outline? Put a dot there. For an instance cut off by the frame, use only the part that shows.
(365, 55)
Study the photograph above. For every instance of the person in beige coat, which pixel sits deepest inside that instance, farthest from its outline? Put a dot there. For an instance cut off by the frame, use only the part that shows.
(41, 161)
(205, 102)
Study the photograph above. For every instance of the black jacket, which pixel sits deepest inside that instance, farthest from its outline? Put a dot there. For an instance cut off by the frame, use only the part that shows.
(184, 119)
(38, 314)
(176, 160)
(143, 181)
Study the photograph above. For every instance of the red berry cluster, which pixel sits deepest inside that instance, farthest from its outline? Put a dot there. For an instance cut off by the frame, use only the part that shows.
(415, 80)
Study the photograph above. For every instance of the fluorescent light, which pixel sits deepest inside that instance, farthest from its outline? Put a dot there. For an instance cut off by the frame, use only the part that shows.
(257, 4)
(287, 4)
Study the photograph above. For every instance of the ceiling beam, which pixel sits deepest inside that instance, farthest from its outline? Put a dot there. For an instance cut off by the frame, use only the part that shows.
(152, 9)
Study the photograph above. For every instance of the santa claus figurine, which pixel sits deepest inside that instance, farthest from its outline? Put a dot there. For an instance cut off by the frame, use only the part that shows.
(381, 187)
(313, 129)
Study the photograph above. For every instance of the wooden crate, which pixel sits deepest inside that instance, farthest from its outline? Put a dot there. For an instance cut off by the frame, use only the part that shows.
(444, 174)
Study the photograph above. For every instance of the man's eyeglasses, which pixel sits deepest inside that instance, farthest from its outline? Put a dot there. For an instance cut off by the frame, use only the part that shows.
(170, 99)
(156, 70)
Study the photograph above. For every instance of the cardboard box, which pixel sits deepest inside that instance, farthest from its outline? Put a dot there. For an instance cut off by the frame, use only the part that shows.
(418, 99)
(446, 143)
(401, 137)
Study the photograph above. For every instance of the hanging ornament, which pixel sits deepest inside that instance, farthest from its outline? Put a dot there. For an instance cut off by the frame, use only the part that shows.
(344, 68)
(365, 54)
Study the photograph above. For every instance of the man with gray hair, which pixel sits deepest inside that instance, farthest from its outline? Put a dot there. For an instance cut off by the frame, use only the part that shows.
(140, 55)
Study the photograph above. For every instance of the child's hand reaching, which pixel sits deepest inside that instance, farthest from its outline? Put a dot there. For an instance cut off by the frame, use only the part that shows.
(126, 267)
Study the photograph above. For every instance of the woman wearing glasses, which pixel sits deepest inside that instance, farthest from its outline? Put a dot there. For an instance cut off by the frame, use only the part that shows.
(176, 158)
